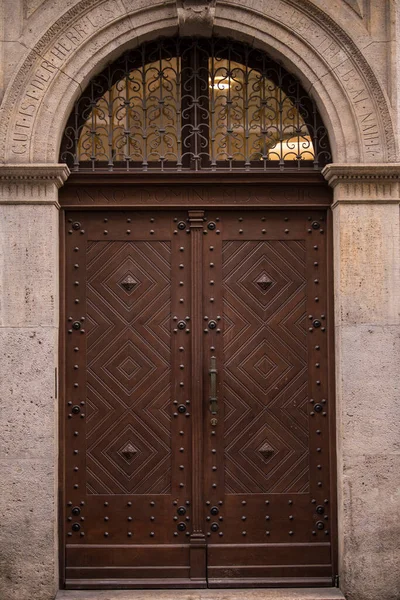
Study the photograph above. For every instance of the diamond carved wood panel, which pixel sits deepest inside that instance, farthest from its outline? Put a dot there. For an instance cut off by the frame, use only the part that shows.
(128, 370)
(265, 367)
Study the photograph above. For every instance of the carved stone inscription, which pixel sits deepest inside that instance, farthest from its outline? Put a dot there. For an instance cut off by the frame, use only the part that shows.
(333, 46)
(169, 195)
(53, 60)
(342, 58)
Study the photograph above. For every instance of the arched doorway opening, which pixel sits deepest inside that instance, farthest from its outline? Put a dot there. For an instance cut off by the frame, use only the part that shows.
(198, 410)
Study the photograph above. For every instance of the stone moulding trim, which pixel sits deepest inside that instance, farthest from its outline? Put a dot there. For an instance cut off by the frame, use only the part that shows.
(364, 183)
(32, 183)
(58, 173)
(365, 68)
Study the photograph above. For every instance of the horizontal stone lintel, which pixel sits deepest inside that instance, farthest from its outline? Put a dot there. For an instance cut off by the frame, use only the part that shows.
(34, 173)
(336, 172)
(31, 183)
(353, 183)
(364, 183)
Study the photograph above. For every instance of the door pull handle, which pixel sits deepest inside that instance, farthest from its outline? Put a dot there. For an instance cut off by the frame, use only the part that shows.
(213, 386)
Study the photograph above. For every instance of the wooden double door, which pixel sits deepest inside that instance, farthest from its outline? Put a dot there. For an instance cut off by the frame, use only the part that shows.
(198, 416)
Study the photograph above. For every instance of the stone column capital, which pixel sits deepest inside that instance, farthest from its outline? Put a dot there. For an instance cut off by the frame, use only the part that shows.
(196, 17)
(364, 183)
(31, 183)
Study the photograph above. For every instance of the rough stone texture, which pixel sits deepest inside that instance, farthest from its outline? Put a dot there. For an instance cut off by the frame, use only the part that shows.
(288, 594)
(367, 255)
(28, 265)
(28, 464)
(28, 534)
(28, 408)
(367, 304)
(27, 386)
(368, 409)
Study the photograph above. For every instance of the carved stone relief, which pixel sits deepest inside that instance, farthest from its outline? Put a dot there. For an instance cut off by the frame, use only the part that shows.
(195, 17)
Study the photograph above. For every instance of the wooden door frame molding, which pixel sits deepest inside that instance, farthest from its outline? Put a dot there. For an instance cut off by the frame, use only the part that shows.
(273, 190)
(219, 190)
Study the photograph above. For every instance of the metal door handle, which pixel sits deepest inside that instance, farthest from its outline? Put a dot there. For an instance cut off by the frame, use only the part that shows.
(213, 386)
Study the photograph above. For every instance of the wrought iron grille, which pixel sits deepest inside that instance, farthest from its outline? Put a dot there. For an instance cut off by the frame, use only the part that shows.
(194, 104)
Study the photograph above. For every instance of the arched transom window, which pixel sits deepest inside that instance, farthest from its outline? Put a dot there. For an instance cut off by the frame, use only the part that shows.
(194, 104)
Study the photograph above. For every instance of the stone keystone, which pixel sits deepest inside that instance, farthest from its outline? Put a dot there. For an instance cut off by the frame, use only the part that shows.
(196, 17)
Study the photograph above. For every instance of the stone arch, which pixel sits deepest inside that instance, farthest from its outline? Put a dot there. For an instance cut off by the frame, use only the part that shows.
(92, 33)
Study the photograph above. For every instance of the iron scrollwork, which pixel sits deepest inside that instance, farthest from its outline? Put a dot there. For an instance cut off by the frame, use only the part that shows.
(194, 104)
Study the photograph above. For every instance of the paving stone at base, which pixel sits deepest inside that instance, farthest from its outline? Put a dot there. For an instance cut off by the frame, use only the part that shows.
(264, 594)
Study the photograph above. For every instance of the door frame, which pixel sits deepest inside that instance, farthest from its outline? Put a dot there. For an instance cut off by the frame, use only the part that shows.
(291, 190)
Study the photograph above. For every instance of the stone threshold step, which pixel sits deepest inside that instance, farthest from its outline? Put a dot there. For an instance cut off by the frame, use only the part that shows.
(243, 594)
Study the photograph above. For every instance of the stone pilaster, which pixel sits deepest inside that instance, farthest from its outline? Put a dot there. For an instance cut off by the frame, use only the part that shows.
(367, 314)
(29, 276)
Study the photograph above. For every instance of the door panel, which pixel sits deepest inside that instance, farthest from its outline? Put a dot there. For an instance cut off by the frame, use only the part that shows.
(164, 488)
(128, 456)
(267, 451)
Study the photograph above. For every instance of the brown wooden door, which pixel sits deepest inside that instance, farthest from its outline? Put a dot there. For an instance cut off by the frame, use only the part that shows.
(162, 487)
(267, 458)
